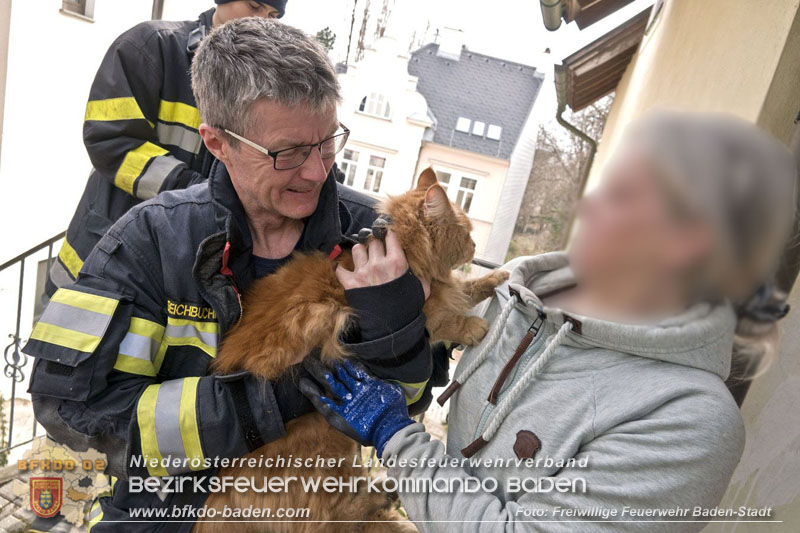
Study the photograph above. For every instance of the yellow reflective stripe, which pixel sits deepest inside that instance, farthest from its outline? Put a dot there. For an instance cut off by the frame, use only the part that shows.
(125, 108)
(159, 360)
(70, 259)
(179, 112)
(146, 328)
(211, 351)
(190, 433)
(83, 300)
(413, 391)
(67, 338)
(146, 414)
(204, 326)
(138, 356)
(183, 332)
(95, 515)
(134, 163)
(133, 365)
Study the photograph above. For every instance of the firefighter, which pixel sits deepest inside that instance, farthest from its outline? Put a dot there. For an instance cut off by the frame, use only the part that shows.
(123, 354)
(140, 126)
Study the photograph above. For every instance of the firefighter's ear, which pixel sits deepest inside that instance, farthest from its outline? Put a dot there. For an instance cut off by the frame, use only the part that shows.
(216, 141)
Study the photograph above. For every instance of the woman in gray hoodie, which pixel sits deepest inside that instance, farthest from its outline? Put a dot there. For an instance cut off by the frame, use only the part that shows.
(598, 394)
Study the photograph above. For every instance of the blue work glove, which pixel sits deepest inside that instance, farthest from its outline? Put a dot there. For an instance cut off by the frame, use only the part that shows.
(366, 409)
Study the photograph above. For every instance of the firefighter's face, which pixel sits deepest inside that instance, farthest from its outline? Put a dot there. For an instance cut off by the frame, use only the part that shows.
(264, 191)
(242, 9)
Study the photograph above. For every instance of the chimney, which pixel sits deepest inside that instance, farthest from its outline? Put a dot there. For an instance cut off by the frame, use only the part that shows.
(451, 41)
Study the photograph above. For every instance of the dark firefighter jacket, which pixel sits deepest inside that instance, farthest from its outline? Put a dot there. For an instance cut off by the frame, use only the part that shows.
(140, 130)
(122, 354)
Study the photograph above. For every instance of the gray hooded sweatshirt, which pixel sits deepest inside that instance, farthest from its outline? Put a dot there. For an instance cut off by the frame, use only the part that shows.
(641, 409)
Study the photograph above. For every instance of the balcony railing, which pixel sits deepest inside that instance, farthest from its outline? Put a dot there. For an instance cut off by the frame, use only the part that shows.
(16, 362)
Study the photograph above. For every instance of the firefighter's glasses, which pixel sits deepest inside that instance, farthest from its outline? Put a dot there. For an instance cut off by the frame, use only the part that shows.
(295, 156)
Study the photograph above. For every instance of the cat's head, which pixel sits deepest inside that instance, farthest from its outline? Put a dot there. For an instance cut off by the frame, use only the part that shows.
(435, 233)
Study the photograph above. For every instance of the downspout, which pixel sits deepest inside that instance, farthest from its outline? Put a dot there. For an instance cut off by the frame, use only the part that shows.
(560, 81)
(552, 11)
(158, 9)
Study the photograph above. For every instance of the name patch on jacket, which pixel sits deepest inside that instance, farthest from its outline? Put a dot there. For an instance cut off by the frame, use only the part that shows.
(199, 312)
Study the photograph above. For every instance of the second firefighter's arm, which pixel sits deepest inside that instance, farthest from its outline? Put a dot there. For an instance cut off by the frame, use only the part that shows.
(129, 130)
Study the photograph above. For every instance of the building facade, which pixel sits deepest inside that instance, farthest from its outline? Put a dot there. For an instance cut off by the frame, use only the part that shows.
(465, 114)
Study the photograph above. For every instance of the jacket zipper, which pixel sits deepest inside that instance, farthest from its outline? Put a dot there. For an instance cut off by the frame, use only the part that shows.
(535, 329)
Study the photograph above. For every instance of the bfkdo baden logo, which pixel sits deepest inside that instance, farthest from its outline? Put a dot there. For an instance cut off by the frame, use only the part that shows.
(46, 495)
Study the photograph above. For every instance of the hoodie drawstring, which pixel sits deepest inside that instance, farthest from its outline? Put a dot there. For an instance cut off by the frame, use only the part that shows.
(508, 402)
(494, 336)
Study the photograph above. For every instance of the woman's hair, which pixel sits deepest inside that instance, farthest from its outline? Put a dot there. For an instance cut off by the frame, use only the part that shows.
(743, 183)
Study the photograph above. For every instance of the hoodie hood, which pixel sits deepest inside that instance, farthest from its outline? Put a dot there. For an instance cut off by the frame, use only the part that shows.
(701, 337)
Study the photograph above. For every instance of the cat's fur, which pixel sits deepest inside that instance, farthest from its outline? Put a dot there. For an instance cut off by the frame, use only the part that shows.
(301, 307)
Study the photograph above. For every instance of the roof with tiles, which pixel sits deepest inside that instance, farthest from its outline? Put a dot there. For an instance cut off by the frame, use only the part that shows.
(479, 88)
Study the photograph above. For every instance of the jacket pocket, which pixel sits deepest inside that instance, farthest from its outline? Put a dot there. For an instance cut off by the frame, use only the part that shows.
(74, 342)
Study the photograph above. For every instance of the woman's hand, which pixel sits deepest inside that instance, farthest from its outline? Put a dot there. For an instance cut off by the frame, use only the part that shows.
(366, 409)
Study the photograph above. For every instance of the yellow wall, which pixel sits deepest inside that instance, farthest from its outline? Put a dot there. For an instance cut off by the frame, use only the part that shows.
(710, 55)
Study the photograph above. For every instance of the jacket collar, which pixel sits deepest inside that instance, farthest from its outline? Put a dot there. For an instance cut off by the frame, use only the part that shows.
(323, 229)
(204, 24)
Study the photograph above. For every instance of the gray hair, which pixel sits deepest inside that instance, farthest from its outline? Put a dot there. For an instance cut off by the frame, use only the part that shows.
(250, 59)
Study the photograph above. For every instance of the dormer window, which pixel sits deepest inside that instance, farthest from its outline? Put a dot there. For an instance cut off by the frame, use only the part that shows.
(478, 128)
(376, 105)
(494, 132)
(463, 124)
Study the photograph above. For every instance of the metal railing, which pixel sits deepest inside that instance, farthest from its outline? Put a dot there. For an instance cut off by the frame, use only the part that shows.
(15, 360)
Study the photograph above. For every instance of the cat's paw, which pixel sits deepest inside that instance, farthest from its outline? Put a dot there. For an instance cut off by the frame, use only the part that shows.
(498, 277)
(474, 331)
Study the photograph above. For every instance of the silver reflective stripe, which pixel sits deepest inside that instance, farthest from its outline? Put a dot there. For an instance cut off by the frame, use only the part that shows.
(75, 319)
(96, 510)
(153, 178)
(139, 346)
(167, 422)
(59, 275)
(175, 135)
(177, 332)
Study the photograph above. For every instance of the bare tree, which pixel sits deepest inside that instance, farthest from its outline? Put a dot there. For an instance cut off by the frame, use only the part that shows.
(363, 33)
(552, 193)
(350, 36)
(383, 20)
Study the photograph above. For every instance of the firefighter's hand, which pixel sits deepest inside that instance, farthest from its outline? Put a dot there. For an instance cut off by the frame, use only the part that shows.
(376, 264)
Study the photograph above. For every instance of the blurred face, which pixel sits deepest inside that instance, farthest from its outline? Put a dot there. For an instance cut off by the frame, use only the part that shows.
(263, 190)
(242, 9)
(626, 229)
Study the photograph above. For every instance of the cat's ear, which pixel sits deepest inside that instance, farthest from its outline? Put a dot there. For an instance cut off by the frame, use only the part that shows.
(427, 179)
(437, 204)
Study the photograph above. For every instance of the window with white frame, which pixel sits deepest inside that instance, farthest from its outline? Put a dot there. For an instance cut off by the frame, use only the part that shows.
(466, 190)
(463, 124)
(376, 105)
(443, 178)
(372, 182)
(494, 132)
(349, 166)
(82, 8)
(478, 128)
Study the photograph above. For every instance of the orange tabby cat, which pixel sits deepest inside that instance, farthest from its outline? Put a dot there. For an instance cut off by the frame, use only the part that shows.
(301, 307)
